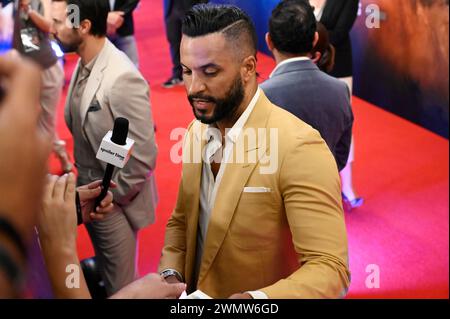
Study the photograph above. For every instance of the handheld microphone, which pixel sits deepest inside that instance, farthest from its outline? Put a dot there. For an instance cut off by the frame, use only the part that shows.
(115, 150)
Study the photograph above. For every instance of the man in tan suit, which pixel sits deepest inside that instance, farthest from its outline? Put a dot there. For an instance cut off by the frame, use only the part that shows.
(106, 85)
(259, 211)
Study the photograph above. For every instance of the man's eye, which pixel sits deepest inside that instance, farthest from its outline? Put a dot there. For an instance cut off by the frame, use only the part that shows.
(187, 72)
(210, 72)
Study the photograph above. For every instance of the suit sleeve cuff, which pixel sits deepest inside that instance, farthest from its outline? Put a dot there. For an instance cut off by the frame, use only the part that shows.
(257, 294)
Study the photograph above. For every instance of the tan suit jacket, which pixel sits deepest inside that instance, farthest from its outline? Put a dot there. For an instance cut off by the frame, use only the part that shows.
(120, 91)
(289, 242)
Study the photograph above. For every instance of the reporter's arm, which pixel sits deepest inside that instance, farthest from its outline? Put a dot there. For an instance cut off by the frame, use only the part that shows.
(151, 286)
(57, 233)
(43, 22)
(21, 179)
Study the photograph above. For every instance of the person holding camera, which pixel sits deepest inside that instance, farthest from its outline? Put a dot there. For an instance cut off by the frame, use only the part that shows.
(32, 26)
(58, 233)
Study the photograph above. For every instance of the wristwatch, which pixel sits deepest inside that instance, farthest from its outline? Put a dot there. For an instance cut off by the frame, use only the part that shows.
(172, 272)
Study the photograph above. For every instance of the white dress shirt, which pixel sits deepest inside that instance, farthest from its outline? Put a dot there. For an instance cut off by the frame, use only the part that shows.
(214, 151)
(318, 11)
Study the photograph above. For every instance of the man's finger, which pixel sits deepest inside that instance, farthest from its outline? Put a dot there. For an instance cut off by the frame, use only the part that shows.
(96, 217)
(88, 194)
(60, 187)
(49, 185)
(105, 210)
(95, 184)
(99, 183)
(175, 290)
(70, 188)
(107, 200)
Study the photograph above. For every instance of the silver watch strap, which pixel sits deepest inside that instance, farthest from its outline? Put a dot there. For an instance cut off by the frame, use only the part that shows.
(172, 272)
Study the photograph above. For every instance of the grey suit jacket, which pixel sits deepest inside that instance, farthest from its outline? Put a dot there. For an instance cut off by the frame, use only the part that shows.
(316, 98)
(115, 88)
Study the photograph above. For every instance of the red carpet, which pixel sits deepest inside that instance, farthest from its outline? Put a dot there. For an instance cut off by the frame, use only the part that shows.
(400, 169)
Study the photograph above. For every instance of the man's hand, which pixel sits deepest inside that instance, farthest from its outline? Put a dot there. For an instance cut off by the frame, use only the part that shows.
(58, 235)
(58, 218)
(151, 286)
(172, 280)
(88, 195)
(24, 145)
(24, 5)
(241, 296)
(115, 21)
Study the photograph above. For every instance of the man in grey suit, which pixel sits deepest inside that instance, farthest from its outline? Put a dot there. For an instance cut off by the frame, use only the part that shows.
(299, 86)
(106, 85)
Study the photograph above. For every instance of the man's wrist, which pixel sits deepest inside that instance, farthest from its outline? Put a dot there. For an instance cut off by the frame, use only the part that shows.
(64, 248)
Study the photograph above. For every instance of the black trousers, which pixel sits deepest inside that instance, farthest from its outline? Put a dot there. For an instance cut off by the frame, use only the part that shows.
(173, 29)
(173, 21)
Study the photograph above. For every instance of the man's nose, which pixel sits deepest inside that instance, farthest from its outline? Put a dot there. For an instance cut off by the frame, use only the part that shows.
(196, 86)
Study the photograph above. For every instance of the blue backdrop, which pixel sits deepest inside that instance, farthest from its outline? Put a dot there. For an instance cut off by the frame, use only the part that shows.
(377, 79)
(260, 11)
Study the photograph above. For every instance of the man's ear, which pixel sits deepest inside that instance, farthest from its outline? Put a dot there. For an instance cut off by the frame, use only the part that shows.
(248, 68)
(269, 42)
(85, 27)
(316, 57)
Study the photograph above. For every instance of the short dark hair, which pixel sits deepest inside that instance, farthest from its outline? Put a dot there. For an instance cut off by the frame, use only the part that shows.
(234, 23)
(292, 26)
(96, 11)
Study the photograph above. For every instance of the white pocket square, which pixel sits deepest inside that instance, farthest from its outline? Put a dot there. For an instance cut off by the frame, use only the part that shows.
(257, 190)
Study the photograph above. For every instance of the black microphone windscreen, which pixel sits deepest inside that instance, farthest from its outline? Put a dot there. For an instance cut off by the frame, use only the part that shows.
(120, 131)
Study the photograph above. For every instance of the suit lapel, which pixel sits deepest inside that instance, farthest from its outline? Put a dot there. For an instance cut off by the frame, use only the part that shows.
(67, 111)
(192, 173)
(94, 81)
(234, 179)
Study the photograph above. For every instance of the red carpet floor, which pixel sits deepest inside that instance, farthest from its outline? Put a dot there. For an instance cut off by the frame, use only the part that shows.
(400, 169)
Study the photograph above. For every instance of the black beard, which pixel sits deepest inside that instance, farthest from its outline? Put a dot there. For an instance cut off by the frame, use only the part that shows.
(225, 108)
(68, 48)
